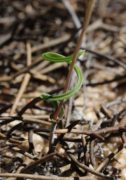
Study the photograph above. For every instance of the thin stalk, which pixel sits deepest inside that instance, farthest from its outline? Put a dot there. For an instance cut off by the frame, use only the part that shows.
(86, 19)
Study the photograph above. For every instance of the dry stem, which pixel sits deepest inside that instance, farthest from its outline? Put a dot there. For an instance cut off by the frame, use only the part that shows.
(86, 19)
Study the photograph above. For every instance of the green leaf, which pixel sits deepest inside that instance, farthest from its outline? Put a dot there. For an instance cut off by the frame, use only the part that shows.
(55, 57)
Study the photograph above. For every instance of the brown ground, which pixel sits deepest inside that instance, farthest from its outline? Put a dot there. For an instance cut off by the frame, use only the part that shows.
(29, 28)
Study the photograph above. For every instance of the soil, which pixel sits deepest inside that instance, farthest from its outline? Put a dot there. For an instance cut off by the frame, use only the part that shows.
(88, 141)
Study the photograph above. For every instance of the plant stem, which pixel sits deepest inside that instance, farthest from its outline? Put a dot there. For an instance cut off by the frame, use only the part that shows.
(86, 19)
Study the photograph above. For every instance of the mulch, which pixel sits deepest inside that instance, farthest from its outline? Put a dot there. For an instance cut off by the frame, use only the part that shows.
(88, 141)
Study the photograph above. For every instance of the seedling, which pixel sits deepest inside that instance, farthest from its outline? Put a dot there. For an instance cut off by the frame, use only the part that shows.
(60, 98)
(54, 57)
(57, 58)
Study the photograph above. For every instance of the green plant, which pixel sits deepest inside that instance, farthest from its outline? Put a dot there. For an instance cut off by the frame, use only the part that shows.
(54, 57)
(57, 58)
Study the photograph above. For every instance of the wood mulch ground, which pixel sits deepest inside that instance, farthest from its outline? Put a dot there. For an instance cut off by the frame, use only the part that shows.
(89, 140)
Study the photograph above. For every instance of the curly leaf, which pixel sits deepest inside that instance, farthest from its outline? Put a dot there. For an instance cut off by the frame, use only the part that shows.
(55, 57)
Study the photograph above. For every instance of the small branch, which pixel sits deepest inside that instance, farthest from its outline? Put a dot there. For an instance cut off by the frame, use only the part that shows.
(109, 58)
(86, 19)
(94, 133)
(29, 105)
(24, 83)
(83, 166)
(116, 79)
(77, 24)
(38, 177)
(52, 43)
(71, 11)
(31, 166)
